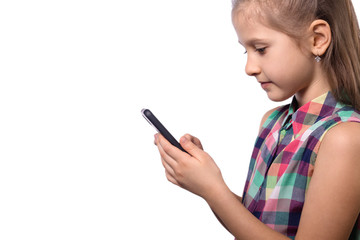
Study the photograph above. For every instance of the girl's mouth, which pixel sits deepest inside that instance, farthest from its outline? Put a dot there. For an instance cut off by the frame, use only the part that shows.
(265, 85)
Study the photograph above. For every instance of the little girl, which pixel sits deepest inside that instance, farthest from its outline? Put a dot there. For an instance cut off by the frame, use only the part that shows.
(304, 174)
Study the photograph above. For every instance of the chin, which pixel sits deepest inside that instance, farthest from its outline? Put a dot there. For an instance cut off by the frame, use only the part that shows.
(278, 97)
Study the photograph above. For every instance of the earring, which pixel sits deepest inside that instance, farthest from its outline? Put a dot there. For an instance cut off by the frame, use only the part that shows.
(318, 58)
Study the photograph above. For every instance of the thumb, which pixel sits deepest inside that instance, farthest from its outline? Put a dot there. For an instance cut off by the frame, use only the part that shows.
(190, 147)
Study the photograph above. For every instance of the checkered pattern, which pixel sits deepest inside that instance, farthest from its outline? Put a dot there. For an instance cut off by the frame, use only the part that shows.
(282, 162)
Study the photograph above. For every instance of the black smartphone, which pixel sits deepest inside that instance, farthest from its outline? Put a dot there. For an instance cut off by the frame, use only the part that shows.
(150, 117)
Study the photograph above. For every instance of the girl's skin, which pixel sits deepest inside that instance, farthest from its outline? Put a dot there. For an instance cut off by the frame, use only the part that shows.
(283, 68)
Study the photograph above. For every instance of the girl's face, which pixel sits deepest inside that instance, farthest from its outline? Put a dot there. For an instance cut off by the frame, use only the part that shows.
(275, 59)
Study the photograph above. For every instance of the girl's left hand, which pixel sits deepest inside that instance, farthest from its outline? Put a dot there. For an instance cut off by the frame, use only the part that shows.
(196, 172)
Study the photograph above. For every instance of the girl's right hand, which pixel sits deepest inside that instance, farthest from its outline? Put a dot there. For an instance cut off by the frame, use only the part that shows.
(194, 171)
(193, 139)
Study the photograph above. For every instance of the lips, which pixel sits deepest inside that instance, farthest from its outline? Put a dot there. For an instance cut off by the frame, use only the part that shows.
(265, 84)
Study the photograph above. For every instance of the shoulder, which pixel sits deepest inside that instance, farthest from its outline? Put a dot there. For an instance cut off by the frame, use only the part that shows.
(332, 201)
(341, 144)
(341, 137)
(340, 151)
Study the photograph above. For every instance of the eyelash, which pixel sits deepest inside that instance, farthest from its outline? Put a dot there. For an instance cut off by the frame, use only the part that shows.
(260, 50)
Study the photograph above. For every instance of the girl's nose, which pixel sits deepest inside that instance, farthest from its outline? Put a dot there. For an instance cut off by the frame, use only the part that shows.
(252, 68)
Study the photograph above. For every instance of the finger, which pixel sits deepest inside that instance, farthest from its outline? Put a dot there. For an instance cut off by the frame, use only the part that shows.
(171, 179)
(191, 147)
(168, 168)
(195, 140)
(166, 161)
(165, 158)
(170, 150)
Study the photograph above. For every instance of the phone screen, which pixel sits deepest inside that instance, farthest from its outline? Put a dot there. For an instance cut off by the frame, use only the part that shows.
(150, 117)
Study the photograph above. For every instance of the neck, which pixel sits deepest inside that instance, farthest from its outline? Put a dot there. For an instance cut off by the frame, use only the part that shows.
(317, 87)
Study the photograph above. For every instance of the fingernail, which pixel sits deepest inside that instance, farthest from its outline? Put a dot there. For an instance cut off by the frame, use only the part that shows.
(155, 137)
(183, 140)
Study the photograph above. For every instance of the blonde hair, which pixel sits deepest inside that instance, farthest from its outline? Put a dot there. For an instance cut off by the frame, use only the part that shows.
(342, 59)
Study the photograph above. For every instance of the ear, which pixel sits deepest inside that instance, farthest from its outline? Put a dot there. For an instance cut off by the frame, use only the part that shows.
(320, 36)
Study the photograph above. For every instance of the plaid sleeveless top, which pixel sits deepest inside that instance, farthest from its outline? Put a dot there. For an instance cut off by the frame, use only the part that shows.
(283, 158)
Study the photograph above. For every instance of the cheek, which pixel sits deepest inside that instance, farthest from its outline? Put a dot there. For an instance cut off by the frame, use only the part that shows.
(305, 67)
(288, 59)
(289, 68)
(281, 61)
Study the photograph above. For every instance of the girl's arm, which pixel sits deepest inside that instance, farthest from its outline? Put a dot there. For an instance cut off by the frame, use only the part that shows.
(264, 118)
(199, 174)
(332, 201)
(219, 219)
(198, 144)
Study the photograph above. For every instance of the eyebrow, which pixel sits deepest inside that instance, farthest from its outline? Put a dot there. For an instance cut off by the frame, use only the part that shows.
(253, 41)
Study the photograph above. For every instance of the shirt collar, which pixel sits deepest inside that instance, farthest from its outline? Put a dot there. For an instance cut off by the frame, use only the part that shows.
(305, 116)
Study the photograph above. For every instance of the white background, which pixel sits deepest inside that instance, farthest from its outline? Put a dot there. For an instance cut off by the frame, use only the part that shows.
(77, 159)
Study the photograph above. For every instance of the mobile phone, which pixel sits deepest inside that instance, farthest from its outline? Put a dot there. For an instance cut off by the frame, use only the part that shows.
(150, 117)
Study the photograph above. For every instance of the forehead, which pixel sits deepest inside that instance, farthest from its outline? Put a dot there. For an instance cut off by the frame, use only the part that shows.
(250, 27)
(249, 15)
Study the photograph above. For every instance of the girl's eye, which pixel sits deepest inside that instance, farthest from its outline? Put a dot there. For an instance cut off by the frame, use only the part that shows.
(260, 50)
